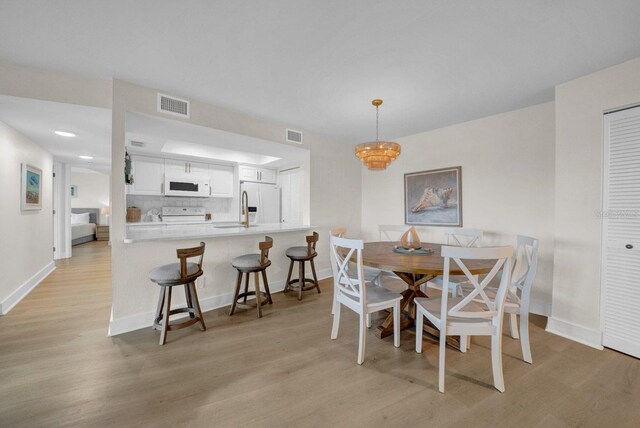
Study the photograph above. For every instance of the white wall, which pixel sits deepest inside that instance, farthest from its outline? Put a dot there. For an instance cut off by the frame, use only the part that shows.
(93, 190)
(580, 105)
(334, 182)
(26, 237)
(507, 182)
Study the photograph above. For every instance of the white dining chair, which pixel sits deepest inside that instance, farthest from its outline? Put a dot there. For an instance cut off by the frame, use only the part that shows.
(350, 292)
(371, 275)
(391, 232)
(459, 237)
(464, 316)
(519, 296)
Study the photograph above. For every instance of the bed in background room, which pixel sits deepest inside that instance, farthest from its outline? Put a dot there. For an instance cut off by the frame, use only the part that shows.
(83, 225)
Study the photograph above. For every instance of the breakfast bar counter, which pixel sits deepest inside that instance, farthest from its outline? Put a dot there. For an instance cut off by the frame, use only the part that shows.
(163, 232)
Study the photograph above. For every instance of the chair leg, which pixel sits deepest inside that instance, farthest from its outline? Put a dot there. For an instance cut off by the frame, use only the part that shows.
(419, 323)
(336, 321)
(235, 296)
(189, 300)
(524, 337)
(464, 341)
(368, 317)
(362, 340)
(443, 348)
(165, 320)
(301, 279)
(256, 280)
(286, 284)
(266, 286)
(246, 287)
(454, 291)
(496, 361)
(513, 326)
(315, 277)
(396, 324)
(196, 305)
(159, 308)
(335, 302)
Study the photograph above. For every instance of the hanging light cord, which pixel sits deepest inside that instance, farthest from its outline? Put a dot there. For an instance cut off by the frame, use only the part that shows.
(377, 137)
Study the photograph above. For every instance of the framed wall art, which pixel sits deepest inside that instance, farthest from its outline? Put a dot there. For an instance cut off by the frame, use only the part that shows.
(31, 191)
(434, 198)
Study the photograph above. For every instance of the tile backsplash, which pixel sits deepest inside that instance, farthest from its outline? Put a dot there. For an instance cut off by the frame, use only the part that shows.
(221, 209)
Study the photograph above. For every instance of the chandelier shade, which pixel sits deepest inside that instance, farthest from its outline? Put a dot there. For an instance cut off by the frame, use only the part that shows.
(377, 155)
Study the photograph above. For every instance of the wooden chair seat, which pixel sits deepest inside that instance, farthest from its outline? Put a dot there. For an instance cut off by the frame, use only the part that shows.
(170, 274)
(300, 253)
(250, 263)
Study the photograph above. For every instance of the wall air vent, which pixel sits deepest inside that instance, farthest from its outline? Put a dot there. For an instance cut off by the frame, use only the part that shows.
(136, 143)
(174, 106)
(294, 136)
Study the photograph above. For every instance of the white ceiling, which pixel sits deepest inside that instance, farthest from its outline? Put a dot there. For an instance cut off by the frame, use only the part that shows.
(37, 120)
(171, 138)
(317, 64)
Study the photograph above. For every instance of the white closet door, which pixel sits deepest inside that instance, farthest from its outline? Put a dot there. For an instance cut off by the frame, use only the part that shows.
(621, 232)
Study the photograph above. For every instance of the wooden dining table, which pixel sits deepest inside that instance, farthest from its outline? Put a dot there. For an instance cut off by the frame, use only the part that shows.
(414, 270)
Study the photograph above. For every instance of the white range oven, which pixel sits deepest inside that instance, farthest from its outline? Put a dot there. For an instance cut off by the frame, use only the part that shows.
(187, 186)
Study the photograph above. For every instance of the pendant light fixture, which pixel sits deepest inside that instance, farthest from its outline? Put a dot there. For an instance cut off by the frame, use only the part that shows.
(377, 155)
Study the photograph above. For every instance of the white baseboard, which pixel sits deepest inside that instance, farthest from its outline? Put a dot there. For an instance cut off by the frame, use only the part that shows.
(21, 292)
(145, 319)
(540, 308)
(575, 332)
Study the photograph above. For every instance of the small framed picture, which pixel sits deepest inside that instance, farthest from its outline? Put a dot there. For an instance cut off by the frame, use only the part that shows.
(31, 192)
(434, 198)
(74, 191)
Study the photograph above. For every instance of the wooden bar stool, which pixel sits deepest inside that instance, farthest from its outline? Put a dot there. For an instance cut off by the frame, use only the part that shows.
(302, 255)
(256, 263)
(183, 273)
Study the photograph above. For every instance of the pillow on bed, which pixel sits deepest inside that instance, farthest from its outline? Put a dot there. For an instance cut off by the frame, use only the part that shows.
(80, 218)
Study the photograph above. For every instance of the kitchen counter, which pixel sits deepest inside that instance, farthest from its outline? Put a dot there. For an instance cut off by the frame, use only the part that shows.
(163, 231)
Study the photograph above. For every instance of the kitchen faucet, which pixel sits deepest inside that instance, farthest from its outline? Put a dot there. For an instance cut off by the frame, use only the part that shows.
(245, 208)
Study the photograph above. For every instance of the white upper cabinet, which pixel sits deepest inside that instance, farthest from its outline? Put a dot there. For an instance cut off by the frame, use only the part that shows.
(175, 167)
(148, 176)
(248, 173)
(258, 175)
(222, 181)
(268, 176)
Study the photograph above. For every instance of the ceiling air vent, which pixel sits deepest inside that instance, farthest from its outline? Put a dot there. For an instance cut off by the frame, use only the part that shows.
(174, 106)
(136, 143)
(294, 136)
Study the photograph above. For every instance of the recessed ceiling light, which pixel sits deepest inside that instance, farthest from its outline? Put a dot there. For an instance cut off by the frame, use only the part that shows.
(64, 133)
(85, 157)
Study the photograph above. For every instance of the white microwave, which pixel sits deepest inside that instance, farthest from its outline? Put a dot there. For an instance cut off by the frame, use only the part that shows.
(187, 186)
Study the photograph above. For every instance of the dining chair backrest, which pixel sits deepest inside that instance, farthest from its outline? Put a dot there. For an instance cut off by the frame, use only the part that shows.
(187, 253)
(340, 232)
(490, 308)
(343, 251)
(524, 267)
(462, 237)
(391, 232)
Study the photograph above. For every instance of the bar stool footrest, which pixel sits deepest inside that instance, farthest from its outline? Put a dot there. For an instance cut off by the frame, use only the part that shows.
(293, 284)
(252, 303)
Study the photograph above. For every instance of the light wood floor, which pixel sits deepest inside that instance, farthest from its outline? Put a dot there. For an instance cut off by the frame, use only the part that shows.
(58, 368)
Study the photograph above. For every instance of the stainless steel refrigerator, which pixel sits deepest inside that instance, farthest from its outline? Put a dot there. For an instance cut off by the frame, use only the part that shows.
(266, 199)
